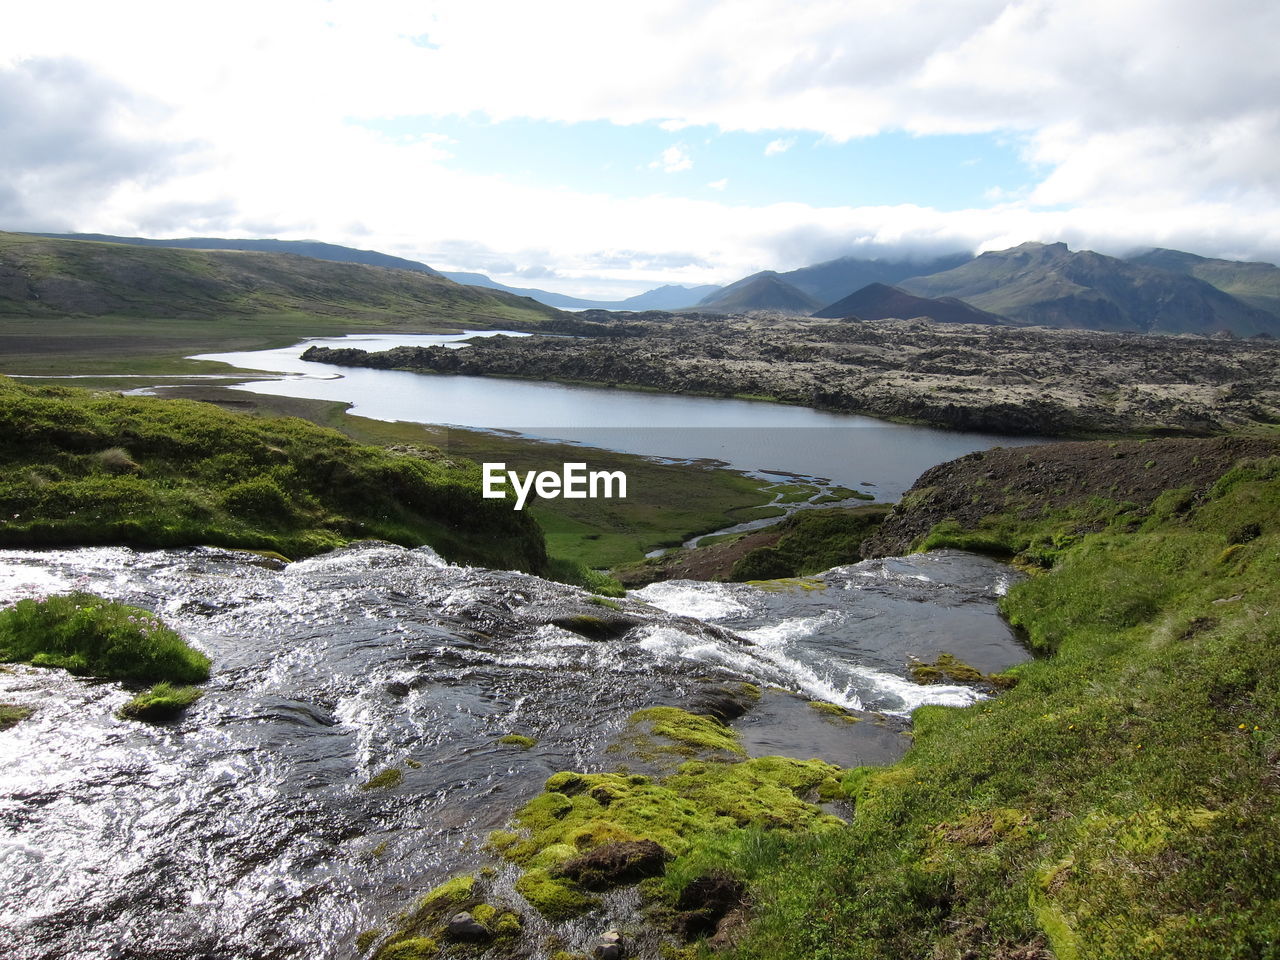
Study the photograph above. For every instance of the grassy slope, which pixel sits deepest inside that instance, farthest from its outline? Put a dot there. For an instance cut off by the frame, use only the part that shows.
(666, 503)
(71, 306)
(81, 468)
(1121, 801)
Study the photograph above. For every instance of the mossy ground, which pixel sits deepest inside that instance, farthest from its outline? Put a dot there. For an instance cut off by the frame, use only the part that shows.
(90, 636)
(704, 814)
(700, 814)
(1121, 801)
(83, 469)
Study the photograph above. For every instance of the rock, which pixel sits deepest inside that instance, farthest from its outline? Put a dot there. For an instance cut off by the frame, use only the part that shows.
(463, 926)
(609, 947)
(617, 863)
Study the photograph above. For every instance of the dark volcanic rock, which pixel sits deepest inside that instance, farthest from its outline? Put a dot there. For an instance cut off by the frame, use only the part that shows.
(1017, 381)
(615, 864)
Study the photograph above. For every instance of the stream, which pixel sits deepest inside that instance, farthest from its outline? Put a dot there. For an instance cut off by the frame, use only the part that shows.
(242, 830)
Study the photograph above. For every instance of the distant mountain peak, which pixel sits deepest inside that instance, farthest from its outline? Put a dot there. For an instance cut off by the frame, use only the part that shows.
(765, 290)
(879, 301)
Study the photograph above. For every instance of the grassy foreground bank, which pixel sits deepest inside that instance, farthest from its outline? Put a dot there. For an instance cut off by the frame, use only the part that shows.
(82, 469)
(1122, 800)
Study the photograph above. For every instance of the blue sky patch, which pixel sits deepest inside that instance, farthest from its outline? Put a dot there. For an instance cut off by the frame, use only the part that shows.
(946, 172)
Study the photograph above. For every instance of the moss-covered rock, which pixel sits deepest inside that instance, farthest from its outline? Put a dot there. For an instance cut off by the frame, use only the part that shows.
(947, 668)
(555, 899)
(12, 713)
(390, 777)
(688, 734)
(162, 702)
(833, 711)
(518, 740)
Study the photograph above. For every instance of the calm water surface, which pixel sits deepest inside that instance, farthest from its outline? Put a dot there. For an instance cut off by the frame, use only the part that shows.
(747, 435)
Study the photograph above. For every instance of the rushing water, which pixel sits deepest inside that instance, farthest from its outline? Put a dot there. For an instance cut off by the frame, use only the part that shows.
(746, 435)
(241, 830)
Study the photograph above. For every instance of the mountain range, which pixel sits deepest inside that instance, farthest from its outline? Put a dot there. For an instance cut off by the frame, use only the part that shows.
(1160, 291)
(1050, 285)
(668, 297)
(1157, 291)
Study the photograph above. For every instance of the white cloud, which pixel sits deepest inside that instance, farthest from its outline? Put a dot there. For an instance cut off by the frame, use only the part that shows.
(1149, 121)
(719, 184)
(674, 159)
(781, 145)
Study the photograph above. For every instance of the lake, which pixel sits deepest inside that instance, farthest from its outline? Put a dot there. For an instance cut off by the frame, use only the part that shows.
(754, 436)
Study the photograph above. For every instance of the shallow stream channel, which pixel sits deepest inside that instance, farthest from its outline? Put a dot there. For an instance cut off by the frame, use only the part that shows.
(249, 829)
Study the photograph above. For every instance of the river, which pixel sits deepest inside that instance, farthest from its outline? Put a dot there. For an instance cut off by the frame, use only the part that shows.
(754, 436)
(241, 831)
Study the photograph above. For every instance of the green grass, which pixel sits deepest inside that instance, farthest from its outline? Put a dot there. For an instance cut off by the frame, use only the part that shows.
(83, 469)
(163, 701)
(90, 636)
(1122, 801)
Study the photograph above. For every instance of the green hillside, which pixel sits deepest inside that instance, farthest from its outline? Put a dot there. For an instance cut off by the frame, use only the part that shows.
(79, 469)
(41, 277)
(77, 306)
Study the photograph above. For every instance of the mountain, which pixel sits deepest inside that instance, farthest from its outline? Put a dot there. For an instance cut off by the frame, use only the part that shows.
(669, 297)
(827, 282)
(302, 248)
(760, 291)
(879, 301)
(1049, 285)
(50, 277)
(1256, 283)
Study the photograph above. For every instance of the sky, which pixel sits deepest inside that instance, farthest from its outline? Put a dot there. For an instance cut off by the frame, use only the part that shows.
(600, 149)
